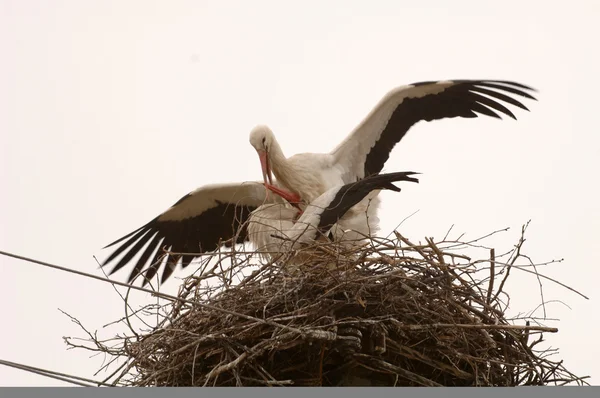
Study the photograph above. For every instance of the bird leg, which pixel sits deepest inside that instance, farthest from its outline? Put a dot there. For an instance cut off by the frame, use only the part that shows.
(291, 197)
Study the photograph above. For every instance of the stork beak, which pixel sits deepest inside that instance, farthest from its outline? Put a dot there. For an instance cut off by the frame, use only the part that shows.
(292, 199)
(266, 167)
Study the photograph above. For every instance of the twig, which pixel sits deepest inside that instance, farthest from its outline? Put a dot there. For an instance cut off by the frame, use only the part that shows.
(492, 275)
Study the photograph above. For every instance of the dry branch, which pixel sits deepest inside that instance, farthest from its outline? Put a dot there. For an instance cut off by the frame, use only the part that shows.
(389, 313)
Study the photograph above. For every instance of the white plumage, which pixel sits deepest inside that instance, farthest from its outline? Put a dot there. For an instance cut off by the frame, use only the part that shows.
(273, 228)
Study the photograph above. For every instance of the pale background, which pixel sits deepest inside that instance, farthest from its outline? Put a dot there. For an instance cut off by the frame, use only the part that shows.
(112, 110)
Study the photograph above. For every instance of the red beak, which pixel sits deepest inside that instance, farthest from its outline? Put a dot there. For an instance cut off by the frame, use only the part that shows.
(293, 199)
(266, 167)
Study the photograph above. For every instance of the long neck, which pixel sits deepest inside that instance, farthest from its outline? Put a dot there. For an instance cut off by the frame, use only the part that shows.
(300, 177)
(279, 164)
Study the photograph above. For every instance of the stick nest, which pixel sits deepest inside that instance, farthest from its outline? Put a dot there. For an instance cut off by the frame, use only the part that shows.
(391, 313)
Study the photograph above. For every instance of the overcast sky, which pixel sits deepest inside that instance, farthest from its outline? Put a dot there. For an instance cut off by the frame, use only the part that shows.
(110, 111)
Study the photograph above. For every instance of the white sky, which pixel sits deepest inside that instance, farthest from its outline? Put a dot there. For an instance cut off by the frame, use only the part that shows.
(110, 111)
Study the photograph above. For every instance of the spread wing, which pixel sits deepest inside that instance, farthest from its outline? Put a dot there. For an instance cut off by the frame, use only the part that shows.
(199, 222)
(367, 148)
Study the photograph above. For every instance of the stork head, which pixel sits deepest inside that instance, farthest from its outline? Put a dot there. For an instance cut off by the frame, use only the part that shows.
(261, 138)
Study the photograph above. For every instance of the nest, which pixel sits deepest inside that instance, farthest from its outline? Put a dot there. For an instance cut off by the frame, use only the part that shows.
(391, 313)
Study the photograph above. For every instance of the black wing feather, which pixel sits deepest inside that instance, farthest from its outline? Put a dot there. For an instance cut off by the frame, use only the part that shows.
(501, 96)
(138, 233)
(489, 102)
(150, 249)
(350, 194)
(133, 250)
(480, 108)
(465, 98)
(510, 83)
(510, 87)
(199, 234)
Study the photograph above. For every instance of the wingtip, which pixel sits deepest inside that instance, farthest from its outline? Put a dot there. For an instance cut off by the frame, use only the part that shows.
(390, 186)
(412, 179)
(512, 83)
(148, 224)
(113, 270)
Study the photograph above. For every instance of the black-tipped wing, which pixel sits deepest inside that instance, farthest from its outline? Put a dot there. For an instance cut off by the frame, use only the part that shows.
(198, 223)
(328, 208)
(367, 148)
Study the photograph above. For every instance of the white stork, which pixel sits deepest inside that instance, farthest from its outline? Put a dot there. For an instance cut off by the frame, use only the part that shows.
(216, 215)
(364, 152)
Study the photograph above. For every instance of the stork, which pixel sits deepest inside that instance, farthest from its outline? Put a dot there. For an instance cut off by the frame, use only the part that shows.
(222, 215)
(365, 150)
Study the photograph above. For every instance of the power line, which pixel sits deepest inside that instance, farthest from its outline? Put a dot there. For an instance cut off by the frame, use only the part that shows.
(79, 381)
(316, 333)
